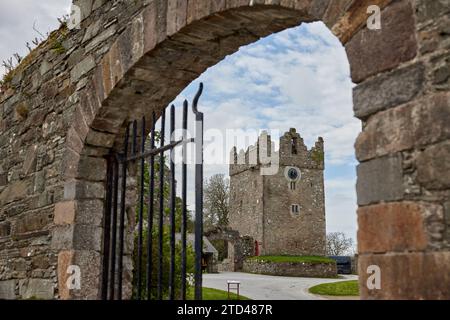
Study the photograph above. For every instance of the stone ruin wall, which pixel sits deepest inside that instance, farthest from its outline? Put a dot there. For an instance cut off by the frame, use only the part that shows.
(65, 107)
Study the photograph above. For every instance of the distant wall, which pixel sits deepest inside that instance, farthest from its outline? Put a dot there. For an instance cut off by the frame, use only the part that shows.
(291, 269)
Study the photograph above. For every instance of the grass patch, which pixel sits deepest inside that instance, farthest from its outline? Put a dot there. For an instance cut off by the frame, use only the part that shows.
(341, 288)
(296, 259)
(214, 294)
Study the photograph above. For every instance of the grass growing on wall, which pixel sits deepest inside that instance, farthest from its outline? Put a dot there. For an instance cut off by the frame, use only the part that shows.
(294, 259)
(341, 288)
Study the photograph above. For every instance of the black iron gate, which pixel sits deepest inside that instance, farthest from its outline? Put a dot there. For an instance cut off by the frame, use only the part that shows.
(141, 154)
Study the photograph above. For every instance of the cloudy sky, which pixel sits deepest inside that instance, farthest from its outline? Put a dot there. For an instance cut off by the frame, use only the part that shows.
(296, 78)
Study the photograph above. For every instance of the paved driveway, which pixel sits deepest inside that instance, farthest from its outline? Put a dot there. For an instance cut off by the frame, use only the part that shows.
(262, 287)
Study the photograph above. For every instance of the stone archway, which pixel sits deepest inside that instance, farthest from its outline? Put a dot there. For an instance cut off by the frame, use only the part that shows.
(239, 247)
(133, 58)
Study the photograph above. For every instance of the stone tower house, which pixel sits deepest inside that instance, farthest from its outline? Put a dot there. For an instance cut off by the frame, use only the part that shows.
(282, 209)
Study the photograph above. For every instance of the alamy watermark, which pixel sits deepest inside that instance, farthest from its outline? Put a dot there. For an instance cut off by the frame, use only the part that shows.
(374, 280)
(74, 280)
(74, 20)
(374, 20)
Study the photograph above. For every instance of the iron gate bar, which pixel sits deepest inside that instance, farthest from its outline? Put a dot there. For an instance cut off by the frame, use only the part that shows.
(172, 208)
(141, 212)
(184, 202)
(122, 218)
(158, 150)
(117, 169)
(150, 210)
(114, 227)
(198, 194)
(107, 226)
(161, 207)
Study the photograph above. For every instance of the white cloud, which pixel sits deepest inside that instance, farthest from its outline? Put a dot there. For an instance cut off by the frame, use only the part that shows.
(296, 78)
(17, 19)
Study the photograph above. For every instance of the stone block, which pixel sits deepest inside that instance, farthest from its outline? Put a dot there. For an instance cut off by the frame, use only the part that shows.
(90, 212)
(197, 9)
(89, 263)
(8, 289)
(5, 229)
(92, 169)
(64, 213)
(407, 276)
(380, 179)
(78, 189)
(430, 10)
(397, 226)
(14, 191)
(335, 10)
(36, 289)
(86, 237)
(386, 132)
(82, 68)
(318, 8)
(417, 124)
(431, 119)
(433, 167)
(85, 7)
(65, 259)
(388, 90)
(29, 165)
(176, 15)
(386, 48)
(354, 18)
(62, 237)
(100, 139)
(31, 222)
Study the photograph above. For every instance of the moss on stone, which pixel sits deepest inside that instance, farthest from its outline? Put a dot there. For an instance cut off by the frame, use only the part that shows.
(22, 110)
(318, 156)
(53, 42)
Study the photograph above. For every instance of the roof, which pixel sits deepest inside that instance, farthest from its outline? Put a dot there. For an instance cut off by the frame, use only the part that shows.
(207, 245)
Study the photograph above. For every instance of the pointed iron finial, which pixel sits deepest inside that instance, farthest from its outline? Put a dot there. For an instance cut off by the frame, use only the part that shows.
(196, 98)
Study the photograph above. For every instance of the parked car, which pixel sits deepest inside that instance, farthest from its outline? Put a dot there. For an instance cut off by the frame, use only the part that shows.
(343, 264)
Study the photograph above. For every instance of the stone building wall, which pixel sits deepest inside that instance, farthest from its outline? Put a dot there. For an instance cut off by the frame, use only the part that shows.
(260, 205)
(291, 269)
(239, 248)
(67, 105)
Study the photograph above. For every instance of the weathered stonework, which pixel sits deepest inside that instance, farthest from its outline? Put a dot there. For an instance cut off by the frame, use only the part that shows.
(239, 248)
(261, 205)
(62, 107)
(291, 269)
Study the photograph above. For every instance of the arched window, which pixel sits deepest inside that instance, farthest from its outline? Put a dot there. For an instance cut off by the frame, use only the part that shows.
(295, 209)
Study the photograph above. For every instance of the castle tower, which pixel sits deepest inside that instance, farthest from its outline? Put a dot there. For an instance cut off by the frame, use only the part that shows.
(283, 209)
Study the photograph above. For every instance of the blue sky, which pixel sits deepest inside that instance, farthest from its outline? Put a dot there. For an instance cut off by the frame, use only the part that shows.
(296, 78)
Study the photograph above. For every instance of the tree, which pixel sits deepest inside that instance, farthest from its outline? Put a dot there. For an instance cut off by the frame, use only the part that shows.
(338, 244)
(216, 201)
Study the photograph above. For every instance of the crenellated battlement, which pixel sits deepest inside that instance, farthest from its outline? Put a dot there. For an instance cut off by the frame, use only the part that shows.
(292, 152)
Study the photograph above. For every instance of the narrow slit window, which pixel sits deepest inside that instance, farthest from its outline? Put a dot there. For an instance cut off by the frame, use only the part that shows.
(295, 209)
(294, 146)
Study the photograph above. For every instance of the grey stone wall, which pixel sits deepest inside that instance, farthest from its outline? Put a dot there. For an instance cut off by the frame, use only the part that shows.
(291, 269)
(239, 248)
(260, 205)
(67, 104)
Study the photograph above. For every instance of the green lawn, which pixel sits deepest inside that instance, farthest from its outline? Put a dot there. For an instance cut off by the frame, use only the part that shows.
(215, 294)
(341, 288)
(308, 259)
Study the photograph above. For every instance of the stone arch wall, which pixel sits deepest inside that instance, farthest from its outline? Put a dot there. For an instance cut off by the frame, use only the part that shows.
(239, 247)
(61, 113)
